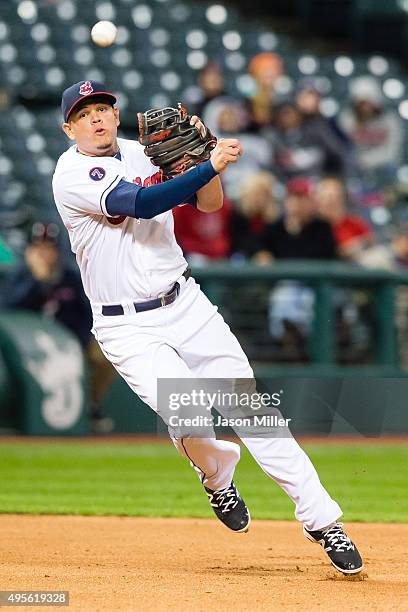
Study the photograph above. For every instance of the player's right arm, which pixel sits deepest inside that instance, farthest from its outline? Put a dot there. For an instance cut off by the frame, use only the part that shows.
(94, 186)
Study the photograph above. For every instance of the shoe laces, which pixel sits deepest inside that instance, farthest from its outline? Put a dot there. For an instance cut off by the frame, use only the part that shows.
(337, 538)
(224, 499)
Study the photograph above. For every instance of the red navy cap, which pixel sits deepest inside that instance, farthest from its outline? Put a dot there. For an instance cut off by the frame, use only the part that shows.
(301, 186)
(72, 96)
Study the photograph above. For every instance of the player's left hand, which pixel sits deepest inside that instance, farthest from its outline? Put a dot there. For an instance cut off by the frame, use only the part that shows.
(174, 140)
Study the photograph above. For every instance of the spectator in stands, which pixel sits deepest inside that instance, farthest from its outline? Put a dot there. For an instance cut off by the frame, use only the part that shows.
(351, 232)
(308, 101)
(43, 284)
(266, 68)
(390, 256)
(203, 237)
(303, 148)
(299, 234)
(233, 122)
(211, 84)
(257, 207)
(376, 132)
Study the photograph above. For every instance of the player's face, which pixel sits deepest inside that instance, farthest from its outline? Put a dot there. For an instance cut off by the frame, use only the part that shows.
(94, 127)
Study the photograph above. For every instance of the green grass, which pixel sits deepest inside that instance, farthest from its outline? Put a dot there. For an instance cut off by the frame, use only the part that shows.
(152, 480)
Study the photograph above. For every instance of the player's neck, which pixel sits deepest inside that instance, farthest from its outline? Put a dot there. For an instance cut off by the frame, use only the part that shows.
(109, 152)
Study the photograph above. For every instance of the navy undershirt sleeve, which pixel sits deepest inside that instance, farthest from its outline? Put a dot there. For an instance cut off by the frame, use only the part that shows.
(147, 202)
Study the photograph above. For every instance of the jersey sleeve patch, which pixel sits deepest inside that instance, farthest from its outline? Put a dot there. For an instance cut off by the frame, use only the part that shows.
(97, 173)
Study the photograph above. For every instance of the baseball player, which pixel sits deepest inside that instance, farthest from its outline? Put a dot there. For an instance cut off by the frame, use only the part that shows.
(150, 317)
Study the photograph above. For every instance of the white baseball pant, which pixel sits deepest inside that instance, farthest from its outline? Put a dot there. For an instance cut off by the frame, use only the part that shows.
(190, 339)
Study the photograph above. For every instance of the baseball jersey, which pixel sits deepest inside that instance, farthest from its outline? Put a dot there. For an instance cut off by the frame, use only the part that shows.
(121, 259)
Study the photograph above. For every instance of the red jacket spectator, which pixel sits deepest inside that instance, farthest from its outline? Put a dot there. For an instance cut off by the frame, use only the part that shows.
(376, 132)
(201, 233)
(350, 227)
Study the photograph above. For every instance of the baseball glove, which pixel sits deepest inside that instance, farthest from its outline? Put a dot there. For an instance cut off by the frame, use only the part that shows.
(171, 142)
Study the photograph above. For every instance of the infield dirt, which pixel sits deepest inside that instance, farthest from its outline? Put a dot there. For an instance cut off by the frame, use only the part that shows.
(140, 564)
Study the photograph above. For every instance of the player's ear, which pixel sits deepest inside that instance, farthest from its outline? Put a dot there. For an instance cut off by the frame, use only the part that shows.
(67, 130)
(116, 113)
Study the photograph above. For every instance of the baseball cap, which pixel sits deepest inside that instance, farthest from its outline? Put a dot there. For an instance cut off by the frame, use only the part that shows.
(301, 186)
(80, 91)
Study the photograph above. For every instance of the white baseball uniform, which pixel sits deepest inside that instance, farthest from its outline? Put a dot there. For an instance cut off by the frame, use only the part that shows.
(125, 260)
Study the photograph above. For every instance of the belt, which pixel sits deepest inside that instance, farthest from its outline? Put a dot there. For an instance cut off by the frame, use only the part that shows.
(170, 297)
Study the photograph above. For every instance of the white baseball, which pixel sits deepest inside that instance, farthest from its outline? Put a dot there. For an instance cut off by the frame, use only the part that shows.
(104, 33)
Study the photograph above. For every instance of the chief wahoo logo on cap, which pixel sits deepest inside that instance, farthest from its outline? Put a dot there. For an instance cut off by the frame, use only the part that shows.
(86, 88)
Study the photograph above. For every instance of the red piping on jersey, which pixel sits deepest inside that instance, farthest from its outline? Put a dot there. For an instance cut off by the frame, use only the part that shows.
(94, 93)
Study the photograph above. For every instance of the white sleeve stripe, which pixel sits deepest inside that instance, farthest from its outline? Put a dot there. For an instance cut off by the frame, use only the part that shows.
(109, 188)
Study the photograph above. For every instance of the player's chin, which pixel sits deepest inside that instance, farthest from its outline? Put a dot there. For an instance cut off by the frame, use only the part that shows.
(103, 137)
(104, 144)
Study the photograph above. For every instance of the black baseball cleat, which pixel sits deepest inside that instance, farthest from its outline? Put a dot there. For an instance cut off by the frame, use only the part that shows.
(341, 551)
(230, 508)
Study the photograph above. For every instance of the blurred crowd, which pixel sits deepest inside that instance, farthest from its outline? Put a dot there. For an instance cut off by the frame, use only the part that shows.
(308, 185)
(311, 185)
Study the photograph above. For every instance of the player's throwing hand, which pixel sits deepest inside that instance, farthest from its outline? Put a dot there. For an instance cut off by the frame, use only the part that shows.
(227, 151)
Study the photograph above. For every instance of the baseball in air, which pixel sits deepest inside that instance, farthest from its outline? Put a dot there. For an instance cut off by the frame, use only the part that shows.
(104, 33)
